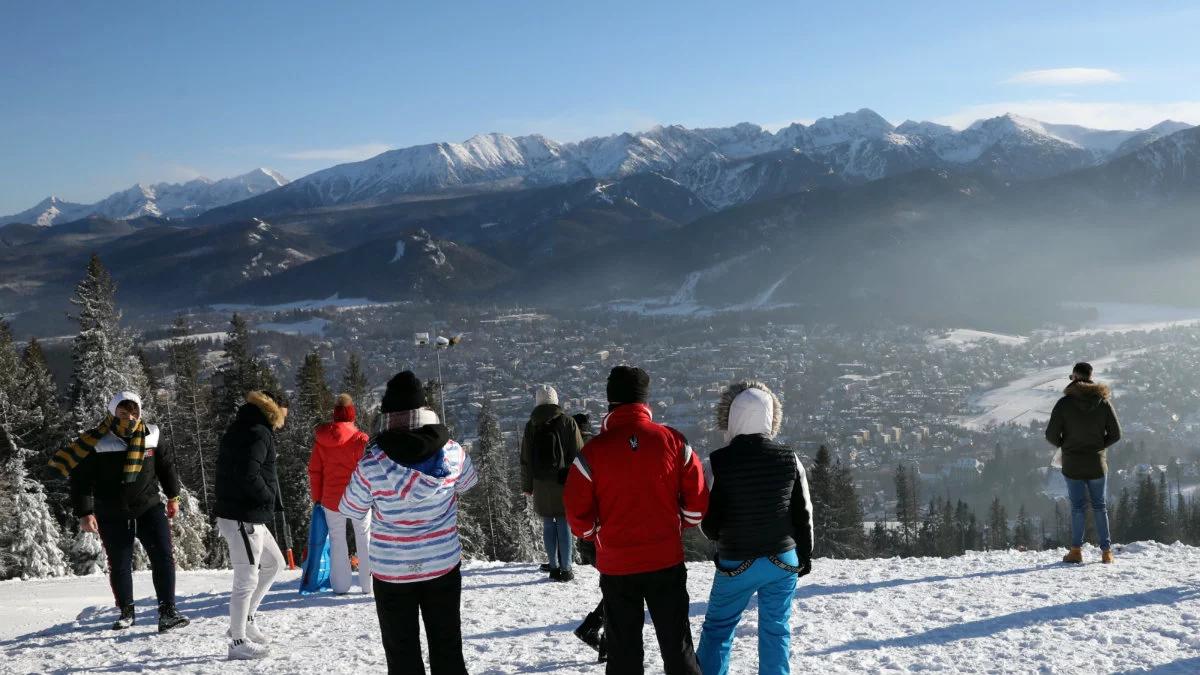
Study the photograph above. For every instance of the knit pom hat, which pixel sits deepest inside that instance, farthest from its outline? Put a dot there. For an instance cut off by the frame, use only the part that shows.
(749, 406)
(404, 392)
(545, 395)
(343, 409)
(627, 384)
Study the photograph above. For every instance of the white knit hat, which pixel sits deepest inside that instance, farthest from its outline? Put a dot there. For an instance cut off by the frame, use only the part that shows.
(545, 395)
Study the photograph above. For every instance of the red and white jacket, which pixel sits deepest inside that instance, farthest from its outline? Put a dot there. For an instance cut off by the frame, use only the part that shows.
(632, 490)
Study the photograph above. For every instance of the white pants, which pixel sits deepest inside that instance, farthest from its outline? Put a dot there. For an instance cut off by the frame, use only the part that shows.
(339, 554)
(256, 560)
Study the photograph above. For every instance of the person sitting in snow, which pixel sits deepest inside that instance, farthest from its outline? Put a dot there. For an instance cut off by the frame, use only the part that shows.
(115, 471)
(760, 517)
(409, 484)
(1083, 425)
(336, 451)
(548, 446)
(633, 490)
(248, 497)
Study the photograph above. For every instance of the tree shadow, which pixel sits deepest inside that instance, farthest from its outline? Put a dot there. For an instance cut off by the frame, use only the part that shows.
(525, 630)
(815, 590)
(1180, 667)
(993, 625)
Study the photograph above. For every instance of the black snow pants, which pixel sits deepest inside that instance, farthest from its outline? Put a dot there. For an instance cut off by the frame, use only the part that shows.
(401, 607)
(153, 529)
(625, 599)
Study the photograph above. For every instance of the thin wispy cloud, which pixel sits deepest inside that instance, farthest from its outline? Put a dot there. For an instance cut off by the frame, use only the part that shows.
(349, 153)
(1094, 114)
(1058, 77)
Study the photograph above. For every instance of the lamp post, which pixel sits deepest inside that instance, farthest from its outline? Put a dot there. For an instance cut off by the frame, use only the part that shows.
(438, 344)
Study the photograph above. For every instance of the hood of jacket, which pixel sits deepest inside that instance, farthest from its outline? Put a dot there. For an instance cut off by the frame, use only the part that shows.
(419, 449)
(544, 413)
(336, 434)
(260, 409)
(748, 408)
(123, 396)
(1087, 395)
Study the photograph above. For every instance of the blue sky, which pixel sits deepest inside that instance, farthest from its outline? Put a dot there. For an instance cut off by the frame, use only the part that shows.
(98, 95)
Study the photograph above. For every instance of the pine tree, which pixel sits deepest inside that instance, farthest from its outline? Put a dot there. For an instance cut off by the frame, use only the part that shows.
(490, 504)
(312, 405)
(908, 512)
(11, 371)
(241, 373)
(86, 553)
(45, 432)
(998, 535)
(820, 484)
(354, 382)
(102, 351)
(190, 531)
(849, 537)
(1023, 532)
(1144, 524)
(29, 534)
(190, 430)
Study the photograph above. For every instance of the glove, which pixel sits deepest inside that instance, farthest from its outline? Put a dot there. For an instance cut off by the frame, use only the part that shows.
(805, 566)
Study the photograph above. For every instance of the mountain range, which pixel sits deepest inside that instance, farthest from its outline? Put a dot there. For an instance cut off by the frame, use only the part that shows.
(161, 200)
(848, 216)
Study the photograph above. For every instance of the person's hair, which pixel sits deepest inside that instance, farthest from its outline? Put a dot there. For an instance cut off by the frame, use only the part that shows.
(129, 405)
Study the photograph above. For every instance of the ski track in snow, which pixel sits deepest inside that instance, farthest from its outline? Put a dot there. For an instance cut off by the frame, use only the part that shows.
(1004, 612)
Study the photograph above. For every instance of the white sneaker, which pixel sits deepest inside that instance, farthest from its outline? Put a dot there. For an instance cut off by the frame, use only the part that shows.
(252, 633)
(244, 650)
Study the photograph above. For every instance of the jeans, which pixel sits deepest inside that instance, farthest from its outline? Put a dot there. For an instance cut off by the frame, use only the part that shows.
(626, 598)
(557, 536)
(154, 531)
(775, 587)
(1081, 492)
(401, 607)
(339, 555)
(256, 561)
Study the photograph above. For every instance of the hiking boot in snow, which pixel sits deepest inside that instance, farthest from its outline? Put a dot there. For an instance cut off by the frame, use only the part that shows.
(125, 620)
(545, 567)
(253, 633)
(591, 631)
(555, 573)
(1075, 556)
(602, 652)
(169, 618)
(1106, 557)
(565, 576)
(245, 650)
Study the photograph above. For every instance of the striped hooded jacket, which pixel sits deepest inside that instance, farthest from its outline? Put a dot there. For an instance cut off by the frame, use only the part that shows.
(408, 483)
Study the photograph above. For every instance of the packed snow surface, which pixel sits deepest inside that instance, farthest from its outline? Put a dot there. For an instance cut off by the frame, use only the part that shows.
(1005, 612)
(966, 337)
(1031, 397)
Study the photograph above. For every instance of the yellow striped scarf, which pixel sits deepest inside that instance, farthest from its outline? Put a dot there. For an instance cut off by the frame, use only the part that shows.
(130, 431)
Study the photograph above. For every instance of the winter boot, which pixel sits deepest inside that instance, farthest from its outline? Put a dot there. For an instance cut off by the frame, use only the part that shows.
(565, 576)
(125, 620)
(253, 633)
(591, 631)
(1075, 556)
(555, 573)
(602, 651)
(245, 650)
(1106, 557)
(169, 618)
(545, 567)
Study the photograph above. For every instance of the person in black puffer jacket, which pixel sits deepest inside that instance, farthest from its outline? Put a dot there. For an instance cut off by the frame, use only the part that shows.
(760, 517)
(247, 498)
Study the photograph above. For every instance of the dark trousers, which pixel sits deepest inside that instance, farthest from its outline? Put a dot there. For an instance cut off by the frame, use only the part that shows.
(665, 593)
(437, 602)
(153, 529)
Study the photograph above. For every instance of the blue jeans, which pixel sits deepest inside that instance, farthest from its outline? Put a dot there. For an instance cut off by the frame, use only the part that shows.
(556, 534)
(1081, 492)
(730, 595)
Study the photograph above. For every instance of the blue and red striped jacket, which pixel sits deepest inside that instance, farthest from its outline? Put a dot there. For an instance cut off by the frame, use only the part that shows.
(414, 511)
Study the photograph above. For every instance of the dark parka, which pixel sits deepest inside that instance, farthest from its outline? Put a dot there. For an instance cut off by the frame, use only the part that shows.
(1084, 424)
(759, 504)
(98, 484)
(548, 491)
(247, 484)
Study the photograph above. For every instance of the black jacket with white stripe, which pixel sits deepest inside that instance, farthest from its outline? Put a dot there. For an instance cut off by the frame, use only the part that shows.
(759, 504)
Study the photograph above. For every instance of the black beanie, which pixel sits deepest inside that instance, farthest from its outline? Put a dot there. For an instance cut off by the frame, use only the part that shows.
(404, 392)
(627, 384)
(1083, 370)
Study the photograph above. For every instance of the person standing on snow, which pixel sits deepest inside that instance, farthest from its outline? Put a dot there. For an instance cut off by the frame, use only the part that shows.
(633, 489)
(409, 483)
(1084, 425)
(247, 499)
(548, 446)
(336, 451)
(587, 549)
(760, 517)
(115, 470)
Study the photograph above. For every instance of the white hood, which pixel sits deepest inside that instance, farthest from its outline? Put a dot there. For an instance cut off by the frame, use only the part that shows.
(752, 412)
(123, 396)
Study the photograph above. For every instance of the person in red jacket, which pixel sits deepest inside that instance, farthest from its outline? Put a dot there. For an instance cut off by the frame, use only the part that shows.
(338, 448)
(632, 491)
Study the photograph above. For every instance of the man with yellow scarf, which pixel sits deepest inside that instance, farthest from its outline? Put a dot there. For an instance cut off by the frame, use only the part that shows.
(115, 470)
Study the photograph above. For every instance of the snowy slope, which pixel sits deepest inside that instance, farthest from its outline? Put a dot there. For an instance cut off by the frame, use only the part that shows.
(166, 200)
(1002, 612)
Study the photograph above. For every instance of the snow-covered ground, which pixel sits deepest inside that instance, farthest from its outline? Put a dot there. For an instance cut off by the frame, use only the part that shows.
(1120, 317)
(1005, 612)
(965, 338)
(314, 327)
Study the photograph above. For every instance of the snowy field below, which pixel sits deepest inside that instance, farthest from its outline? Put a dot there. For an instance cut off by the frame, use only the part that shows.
(1002, 612)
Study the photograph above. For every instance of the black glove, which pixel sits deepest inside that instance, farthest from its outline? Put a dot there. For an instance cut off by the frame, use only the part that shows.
(805, 566)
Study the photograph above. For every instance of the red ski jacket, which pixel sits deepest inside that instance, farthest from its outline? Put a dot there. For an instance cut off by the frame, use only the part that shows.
(632, 490)
(338, 448)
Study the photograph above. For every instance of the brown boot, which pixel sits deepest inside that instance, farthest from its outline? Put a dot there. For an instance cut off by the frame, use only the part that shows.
(1106, 557)
(1075, 556)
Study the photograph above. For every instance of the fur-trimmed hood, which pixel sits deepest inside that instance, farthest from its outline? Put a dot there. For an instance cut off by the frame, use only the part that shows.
(1086, 389)
(749, 407)
(270, 410)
